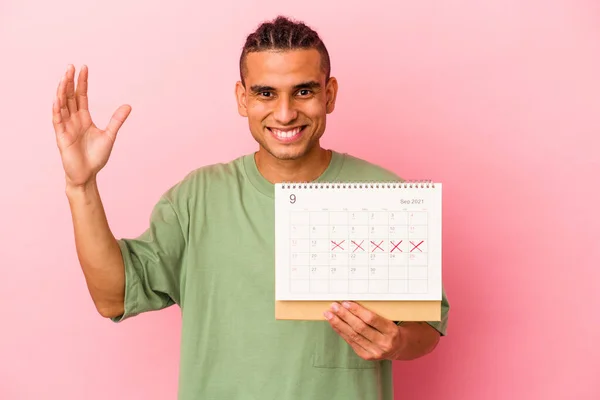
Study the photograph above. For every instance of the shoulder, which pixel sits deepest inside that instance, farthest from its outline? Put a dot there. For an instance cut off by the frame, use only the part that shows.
(219, 171)
(355, 168)
(202, 178)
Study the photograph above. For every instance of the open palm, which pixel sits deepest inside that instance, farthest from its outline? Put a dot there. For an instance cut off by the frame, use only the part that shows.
(84, 148)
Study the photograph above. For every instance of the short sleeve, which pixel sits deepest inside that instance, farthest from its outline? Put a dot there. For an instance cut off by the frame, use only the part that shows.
(153, 262)
(442, 325)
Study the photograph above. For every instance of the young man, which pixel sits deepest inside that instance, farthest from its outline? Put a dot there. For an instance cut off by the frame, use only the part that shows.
(231, 345)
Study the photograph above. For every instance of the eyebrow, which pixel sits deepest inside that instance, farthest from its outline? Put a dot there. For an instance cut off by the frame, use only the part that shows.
(303, 85)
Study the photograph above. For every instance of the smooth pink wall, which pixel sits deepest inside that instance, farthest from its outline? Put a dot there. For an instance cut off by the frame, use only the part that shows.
(500, 100)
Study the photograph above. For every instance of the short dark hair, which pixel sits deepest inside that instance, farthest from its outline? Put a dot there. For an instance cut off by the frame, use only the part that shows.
(282, 34)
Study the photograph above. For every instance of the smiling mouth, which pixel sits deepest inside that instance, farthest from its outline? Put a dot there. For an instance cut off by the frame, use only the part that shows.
(287, 135)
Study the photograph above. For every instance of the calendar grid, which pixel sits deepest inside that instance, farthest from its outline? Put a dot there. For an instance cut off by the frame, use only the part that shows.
(348, 252)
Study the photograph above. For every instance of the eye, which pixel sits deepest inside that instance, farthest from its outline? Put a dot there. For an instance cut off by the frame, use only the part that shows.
(304, 92)
(265, 94)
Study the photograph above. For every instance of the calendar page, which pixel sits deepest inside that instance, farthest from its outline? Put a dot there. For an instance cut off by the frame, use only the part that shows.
(358, 241)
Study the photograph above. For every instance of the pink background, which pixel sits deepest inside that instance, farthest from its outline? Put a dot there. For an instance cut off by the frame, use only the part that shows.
(499, 100)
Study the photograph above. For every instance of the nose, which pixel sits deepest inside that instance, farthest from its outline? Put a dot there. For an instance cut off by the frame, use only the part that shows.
(285, 111)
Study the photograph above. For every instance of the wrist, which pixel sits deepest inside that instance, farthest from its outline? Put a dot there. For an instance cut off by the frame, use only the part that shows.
(401, 342)
(73, 190)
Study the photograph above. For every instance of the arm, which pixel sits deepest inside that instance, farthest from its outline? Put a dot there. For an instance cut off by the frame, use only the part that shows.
(97, 249)
(84, 150)
(375, 338)
(418, 339)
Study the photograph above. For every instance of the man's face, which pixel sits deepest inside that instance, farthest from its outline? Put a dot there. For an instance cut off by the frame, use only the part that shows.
(286, 100)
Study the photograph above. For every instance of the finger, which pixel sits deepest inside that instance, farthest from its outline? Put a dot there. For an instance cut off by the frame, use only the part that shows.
(58, 87)
(357, 324)
(358, 349)
(349, 334)
(361, 352)
(117, 120)
(71, 102)
(59, 125)
(82, 87)
(57, 120)
(383, 325)
(62, 98)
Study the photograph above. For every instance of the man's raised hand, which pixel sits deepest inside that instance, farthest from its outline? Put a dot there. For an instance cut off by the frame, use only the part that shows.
(84, 148)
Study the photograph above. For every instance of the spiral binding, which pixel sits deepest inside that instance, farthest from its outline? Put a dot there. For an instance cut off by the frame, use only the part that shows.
(359, 185)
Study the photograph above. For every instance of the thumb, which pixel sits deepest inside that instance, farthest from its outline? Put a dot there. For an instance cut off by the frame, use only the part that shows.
(117, 120)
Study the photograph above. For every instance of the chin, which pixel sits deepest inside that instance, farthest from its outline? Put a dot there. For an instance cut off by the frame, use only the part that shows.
(287, 155)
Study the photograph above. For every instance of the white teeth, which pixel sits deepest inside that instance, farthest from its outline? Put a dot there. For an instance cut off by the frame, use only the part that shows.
(286, 134)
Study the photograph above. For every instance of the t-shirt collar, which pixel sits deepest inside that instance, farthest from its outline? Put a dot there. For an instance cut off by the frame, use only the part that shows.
(268, 189)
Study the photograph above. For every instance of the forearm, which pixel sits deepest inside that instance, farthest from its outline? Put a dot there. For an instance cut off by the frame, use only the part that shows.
(418, 339)
(97, 249)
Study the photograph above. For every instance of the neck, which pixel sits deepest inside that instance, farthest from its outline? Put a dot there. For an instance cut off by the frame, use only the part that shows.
(304, 169)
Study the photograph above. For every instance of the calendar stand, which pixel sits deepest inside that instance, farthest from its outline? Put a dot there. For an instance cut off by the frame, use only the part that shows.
(392, 310)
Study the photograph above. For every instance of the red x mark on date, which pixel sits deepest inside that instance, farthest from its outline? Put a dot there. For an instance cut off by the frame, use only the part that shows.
(335, 245)
(416, 246)
(357, 246)
(377, 246)
(395, 246)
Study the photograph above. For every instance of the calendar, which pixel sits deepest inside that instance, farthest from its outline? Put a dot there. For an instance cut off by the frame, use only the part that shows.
(358, 241)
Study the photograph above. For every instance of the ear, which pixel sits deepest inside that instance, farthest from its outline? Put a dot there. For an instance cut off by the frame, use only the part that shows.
(241, 98)
(331, 89)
